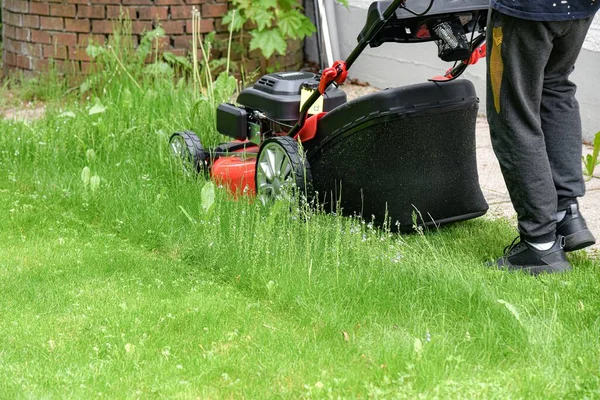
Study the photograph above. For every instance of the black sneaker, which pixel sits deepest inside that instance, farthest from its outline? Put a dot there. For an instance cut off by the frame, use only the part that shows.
(574, 229)
(521, 256)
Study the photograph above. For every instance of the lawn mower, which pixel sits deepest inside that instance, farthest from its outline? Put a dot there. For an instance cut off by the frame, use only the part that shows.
(403, 156)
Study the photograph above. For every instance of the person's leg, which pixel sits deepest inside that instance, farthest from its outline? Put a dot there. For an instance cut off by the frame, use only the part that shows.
(560, 117)
(561, 124)
(518, 52)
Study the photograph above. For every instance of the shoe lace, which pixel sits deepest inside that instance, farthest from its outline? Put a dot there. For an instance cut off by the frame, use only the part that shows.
(508, 249)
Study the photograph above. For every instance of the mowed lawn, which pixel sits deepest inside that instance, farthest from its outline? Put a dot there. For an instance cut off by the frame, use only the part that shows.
(116, 281)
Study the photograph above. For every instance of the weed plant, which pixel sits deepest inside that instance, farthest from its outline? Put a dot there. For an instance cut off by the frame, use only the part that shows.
(121, 277)
(591, 161)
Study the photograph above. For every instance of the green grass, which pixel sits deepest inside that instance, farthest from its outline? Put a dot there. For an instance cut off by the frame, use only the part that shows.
(117, 292)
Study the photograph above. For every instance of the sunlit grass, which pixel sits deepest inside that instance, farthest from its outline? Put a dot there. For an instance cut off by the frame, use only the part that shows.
(111, 288)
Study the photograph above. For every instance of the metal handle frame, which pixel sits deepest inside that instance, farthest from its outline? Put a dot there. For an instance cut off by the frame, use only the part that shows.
(373, 31)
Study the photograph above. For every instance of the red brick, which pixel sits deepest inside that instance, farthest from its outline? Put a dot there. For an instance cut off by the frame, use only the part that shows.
(116, 12)
(86, 67)
(137, 2)
(95, 12)
(173, 27)
(102, 26)
(85, 1)
(39, 8)
(64, 39)
(163, 43)
(77, 25)
(10, 31)
(55, 52)
(78, 53)
(41, 65)
(42, 37)
(219, 26)
(181, 12)
(31, 21)
(10, 58)
(61, 29)
(168, 2)
(32, 50)
(18, 6)
(24, 62)
(139, 27)
(179, 52)
(62, 10)
(10, 34)
(23, 34)
(84, 40)
(105, 1)
(182, 41)
(150, 13)
(52, 23)
(68, 67)
(213, 10)
(12, 46)
(206, 25)
(9, 18)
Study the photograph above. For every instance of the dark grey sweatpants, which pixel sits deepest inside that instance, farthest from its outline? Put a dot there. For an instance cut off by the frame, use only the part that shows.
(534, 117)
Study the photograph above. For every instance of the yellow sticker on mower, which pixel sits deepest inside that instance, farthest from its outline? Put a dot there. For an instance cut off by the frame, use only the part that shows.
(315, 108)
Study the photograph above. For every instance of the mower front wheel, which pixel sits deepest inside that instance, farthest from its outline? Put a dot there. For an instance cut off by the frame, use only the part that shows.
(187, 148)
(282, 171)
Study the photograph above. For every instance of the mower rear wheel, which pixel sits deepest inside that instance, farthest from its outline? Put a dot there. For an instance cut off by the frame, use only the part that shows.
(187, 148)
(282, 171)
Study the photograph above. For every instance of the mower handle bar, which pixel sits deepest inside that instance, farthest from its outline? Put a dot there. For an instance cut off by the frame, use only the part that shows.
(373, 31)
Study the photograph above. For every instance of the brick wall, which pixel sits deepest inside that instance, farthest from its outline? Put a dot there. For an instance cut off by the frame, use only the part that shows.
(35, 32)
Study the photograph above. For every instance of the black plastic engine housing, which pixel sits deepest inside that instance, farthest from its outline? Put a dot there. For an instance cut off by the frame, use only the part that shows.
(278, 95)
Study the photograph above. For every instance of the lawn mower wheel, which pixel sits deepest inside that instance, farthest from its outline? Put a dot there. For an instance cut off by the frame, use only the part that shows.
(282, 171)
(186, 146)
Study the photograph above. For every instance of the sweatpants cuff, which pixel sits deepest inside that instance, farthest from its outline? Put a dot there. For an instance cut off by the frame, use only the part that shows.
(565, 202)
(550, 237)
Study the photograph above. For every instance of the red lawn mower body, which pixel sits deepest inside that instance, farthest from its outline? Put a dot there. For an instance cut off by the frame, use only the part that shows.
(387, 156)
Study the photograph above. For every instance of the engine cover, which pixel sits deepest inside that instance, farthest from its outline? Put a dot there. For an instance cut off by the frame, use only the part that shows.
(278, 95)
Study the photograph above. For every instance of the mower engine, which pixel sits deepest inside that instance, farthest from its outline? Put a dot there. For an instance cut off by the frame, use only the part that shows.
(447, 23)
(272, 106)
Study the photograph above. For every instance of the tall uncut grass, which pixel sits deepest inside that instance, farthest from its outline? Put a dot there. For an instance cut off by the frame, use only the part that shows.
(117, 282)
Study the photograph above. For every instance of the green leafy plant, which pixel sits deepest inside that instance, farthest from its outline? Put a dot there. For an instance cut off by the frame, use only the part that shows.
(271, 23)
(590, 161)
(120, 56)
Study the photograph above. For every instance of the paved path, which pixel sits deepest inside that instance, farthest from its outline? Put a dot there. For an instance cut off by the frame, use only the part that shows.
(496, 193)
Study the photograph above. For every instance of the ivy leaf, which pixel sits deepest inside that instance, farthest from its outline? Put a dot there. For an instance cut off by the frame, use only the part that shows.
(224, 87)
(287, 5)
(268, 41)
(239, 21)
(267, 3)
(295, 25)
(264, 19)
